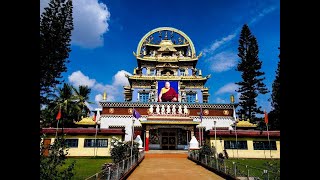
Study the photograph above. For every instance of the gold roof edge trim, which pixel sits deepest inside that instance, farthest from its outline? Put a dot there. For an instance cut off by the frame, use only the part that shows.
(168, 29)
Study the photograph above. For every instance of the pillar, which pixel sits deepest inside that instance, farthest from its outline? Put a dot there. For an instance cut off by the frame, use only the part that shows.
(147, 141)
(192, 132)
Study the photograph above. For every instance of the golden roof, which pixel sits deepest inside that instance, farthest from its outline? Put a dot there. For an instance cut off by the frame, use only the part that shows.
(166, 43)
(245, 123)
(86, 121)
(167, 48)
(201, 78)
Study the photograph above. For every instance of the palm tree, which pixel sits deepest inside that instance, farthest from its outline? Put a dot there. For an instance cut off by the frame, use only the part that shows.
(66, 100)
(82, 96)
(73, 103)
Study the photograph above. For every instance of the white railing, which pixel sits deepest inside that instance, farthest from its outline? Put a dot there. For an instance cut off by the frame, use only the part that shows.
(234, 169)
(169, 109)
(118, 170)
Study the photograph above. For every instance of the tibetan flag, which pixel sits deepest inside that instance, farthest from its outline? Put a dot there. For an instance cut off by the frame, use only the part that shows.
(266, 117)
(234, 114)
(136, 114)
(58, 115)
(98, 116)
(200, 113)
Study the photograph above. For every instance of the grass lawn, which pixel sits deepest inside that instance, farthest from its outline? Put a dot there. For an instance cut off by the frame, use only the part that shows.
(86, 166)
(259, 163)
(255, 166)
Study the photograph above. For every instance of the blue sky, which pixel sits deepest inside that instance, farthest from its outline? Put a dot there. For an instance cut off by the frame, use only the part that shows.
(107, 32)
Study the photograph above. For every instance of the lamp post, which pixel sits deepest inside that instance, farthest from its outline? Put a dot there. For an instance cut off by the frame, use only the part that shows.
(132, 137)
(215, 141)
(215, 134)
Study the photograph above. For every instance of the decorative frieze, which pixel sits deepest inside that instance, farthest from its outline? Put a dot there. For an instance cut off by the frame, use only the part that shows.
(147, 105)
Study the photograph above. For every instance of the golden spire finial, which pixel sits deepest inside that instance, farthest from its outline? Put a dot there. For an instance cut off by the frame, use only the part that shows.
(232, 99)
(104, 96)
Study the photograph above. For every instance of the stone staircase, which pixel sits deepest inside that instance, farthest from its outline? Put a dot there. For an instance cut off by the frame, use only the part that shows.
(166, 154)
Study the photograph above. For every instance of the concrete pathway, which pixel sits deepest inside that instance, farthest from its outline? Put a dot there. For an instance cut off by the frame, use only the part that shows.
(170, 166)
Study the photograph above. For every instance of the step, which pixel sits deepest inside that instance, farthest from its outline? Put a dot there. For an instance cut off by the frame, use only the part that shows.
(166, 152)
(170, 155)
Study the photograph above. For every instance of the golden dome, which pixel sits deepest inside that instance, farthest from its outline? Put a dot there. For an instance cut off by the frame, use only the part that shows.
(86, 121)
(245, 123)
(166, 43)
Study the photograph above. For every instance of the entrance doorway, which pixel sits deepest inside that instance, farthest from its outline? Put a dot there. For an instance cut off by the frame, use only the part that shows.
(168, 139)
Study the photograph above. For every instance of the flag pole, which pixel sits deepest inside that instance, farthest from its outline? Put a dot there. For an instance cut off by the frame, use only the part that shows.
(269, 141)
(235, 130)
(97, 120)
(235, 123)
(200, 132)
(58, 118)
(95, 140)
(57, 129)
(266, 121)
(132, 134)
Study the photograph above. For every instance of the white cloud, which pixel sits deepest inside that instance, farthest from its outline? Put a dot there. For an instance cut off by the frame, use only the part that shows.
(224, 40)
(217, 44)
(263, 13)
(114, 90)
(120, 79)
(220, 101)
(90, 23)
(223, 61)
(90, 20)
(78, 78)
(98, 98)
(228, 88)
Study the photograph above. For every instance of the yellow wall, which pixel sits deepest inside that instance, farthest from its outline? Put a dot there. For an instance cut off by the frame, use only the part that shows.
(88, 151)
(247, 153)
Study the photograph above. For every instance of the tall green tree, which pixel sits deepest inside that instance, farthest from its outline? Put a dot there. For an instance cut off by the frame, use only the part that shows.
(274, 115)
(252, 77)
(56, 24)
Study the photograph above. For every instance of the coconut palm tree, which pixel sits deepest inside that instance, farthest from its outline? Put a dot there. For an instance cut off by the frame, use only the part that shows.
(82, 96)
(66, 100)
(73, 103)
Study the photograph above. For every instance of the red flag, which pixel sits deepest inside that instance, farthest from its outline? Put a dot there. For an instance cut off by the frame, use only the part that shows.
(265, 117)
(94, 117)
(59, 115)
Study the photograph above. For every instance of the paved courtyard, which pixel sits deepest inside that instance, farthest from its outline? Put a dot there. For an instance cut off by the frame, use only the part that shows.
(170, 166)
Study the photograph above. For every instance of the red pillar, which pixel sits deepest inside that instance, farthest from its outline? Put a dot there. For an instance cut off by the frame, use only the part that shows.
(147, 141)
(147, 144)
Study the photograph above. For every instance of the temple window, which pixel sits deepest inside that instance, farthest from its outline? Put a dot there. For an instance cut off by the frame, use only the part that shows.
(71, 143)
(143, 96)
(190, 72)
(191, 97)
(182, 72)
(264, 145)
(167, 72)
(99, 143)
(233, 145)
(152, 72)
(144, 71)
